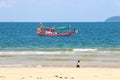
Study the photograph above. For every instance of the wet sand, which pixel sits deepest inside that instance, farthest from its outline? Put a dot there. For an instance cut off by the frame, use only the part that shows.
(59, 73)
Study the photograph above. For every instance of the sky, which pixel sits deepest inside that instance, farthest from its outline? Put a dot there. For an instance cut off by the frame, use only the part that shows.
(58, 10)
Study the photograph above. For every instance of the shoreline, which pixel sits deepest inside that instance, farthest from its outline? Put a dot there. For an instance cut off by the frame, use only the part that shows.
(55, 73)
(55, 66)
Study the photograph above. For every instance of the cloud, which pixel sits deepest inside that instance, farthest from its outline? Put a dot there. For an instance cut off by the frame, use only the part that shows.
(7, 3)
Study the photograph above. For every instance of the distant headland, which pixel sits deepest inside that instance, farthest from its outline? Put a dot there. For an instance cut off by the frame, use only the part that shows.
(113, 19)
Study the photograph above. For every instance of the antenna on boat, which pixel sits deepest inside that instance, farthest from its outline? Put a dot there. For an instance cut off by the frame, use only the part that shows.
(69, 26)
(41, 24)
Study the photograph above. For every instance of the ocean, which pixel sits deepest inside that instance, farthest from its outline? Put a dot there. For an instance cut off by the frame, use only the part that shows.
(97, 44)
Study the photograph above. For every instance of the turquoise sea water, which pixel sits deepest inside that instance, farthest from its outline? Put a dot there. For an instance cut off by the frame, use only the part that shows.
(90, 35)
(96, 44)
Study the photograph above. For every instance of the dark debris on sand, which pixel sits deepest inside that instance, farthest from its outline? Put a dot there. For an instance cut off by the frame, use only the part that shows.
(63, 77)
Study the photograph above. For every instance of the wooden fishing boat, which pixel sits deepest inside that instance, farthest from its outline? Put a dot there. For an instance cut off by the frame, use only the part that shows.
(51, 32)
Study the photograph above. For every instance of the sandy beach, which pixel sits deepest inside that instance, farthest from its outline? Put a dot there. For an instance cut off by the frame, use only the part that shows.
(59, 73)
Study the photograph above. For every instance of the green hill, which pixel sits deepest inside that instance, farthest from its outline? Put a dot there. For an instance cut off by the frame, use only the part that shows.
(113, 19)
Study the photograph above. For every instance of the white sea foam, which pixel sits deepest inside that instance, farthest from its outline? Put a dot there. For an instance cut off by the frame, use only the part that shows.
(84, 50)
(20, 65)
(26, 52)
(65, 51)
(58, 51)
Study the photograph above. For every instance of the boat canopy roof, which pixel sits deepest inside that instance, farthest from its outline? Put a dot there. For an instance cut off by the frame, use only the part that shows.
(62, 28)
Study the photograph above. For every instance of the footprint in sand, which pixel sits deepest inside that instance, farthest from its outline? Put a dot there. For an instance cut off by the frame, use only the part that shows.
(22, 78)
(39, 78)
(2, 76)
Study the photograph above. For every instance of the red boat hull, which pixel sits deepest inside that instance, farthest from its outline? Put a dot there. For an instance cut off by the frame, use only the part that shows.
(39, 32)
(60, 34)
